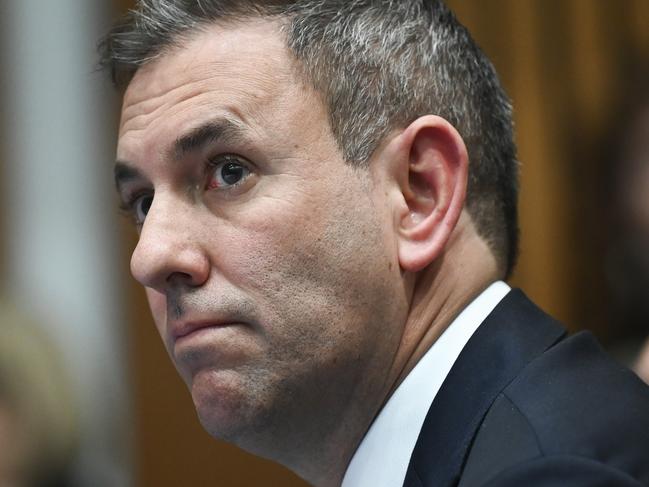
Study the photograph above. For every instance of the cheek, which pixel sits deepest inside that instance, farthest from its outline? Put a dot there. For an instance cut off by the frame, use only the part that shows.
(315, 266)
(158, 305)
(278, 255)
(269, 238)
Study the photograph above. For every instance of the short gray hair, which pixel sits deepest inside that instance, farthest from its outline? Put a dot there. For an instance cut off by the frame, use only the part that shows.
(379, 65)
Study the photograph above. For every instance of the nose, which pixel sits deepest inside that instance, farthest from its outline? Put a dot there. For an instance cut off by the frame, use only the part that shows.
(169, 250)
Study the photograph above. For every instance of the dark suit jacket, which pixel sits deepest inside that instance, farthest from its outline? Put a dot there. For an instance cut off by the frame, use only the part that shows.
(526, 406)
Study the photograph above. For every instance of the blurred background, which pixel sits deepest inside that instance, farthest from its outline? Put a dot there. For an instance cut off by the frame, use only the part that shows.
(88, 396)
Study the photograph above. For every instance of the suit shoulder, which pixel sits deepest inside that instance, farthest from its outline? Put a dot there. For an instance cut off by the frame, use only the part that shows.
(571, 409)
(577, 401)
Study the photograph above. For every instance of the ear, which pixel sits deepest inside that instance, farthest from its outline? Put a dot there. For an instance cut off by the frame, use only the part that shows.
(434, 189)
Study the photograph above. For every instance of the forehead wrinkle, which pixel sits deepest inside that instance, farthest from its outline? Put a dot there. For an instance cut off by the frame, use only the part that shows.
(252, 88)
(137, 117)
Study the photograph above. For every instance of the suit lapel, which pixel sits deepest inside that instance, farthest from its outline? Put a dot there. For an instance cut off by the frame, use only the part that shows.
(513, 334)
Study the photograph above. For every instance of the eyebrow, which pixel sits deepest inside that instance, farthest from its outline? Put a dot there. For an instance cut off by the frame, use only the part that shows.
(197, 138)
(211, 132)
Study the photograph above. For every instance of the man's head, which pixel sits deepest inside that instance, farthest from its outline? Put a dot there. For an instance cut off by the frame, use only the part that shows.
(376, 65)
(296, 181)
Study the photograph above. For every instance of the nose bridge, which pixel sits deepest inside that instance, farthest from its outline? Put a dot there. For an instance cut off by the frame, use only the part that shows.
(169, 245)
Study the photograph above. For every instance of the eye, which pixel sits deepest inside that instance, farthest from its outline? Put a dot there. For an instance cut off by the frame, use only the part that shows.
(227, 171)
(140, 208)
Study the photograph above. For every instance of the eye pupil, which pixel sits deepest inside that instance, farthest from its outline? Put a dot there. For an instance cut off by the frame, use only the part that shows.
(146, 204)
(143, 206)
(232, 173)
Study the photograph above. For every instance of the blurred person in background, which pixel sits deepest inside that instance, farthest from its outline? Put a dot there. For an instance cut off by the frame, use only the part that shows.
(38, 434)
(326, 199)
(628, 254)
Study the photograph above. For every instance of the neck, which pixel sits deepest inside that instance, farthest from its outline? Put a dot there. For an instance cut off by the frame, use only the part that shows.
(440, 293)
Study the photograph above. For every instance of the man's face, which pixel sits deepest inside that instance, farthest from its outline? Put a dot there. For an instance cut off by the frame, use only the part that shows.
(268, 262)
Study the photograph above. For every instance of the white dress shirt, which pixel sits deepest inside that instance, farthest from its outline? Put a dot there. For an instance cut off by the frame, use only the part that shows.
(382, 458)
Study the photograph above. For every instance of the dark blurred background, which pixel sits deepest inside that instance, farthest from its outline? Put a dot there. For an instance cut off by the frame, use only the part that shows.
(577, 73)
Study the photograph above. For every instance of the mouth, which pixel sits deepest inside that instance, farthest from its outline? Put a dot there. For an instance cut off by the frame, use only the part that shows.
(207, 345)
(182, 332)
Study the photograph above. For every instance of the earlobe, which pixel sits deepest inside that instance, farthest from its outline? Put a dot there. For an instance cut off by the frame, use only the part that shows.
(434, 190)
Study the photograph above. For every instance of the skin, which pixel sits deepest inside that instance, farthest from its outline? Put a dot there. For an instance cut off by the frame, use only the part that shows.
(317, 286)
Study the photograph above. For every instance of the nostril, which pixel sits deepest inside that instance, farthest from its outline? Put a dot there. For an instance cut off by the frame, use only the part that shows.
(180, 278)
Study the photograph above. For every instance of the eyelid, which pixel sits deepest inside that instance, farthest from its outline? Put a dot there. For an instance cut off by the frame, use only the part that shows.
(128, 198)
(218, 159)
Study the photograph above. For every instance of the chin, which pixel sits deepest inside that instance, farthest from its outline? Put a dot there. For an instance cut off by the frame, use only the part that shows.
(223, 405)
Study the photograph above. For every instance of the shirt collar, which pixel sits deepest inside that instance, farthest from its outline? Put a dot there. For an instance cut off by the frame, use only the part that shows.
(381, 459)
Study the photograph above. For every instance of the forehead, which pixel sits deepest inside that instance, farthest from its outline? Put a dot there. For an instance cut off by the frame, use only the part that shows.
(238, 68)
